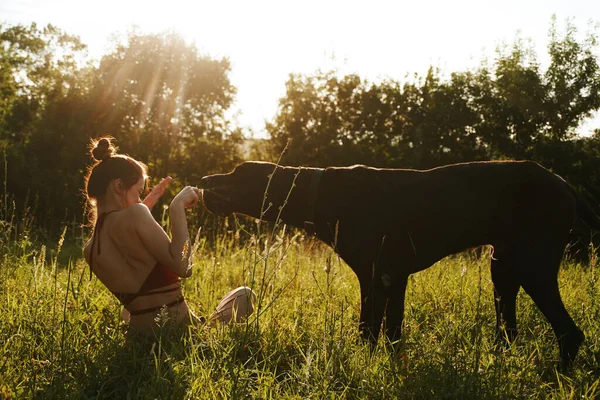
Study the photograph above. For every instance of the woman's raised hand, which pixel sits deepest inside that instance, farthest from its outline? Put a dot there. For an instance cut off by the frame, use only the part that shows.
(156, 192)
(189, 196)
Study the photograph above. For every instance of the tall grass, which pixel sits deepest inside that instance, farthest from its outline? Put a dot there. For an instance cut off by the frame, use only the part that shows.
(61, 334)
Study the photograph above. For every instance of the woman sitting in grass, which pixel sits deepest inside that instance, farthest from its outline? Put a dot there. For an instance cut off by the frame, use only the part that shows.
(130, 252)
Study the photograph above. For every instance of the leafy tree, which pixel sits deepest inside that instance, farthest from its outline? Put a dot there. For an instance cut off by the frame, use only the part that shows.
(572, 81)
(509, 101)
(43, 83)
(324, 119)
(438, 122)
(509, 109)
(165, 103)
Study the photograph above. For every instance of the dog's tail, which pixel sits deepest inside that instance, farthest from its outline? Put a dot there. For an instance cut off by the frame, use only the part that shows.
(585, 211)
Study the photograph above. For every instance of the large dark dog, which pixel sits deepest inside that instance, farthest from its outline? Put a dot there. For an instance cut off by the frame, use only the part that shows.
(389, 223)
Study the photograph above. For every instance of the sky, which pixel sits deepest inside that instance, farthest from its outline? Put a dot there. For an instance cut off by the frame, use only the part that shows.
(267, 40)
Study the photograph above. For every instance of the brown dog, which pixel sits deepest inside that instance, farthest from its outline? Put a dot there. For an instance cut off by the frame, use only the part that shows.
(389, 223)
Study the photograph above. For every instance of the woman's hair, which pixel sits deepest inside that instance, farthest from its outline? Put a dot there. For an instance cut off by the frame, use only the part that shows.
(107, 167)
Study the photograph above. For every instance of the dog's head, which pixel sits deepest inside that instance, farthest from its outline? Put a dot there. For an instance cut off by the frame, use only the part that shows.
(244, 189)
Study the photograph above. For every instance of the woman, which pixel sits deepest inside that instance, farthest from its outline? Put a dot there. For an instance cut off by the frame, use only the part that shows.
(130, 252)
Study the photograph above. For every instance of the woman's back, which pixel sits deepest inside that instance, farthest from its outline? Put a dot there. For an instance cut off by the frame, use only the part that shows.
(120, 259)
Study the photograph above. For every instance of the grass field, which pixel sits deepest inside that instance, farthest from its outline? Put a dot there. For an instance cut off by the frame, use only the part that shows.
(61, 334)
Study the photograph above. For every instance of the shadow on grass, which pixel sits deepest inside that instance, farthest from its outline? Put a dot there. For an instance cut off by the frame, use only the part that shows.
(120, 368)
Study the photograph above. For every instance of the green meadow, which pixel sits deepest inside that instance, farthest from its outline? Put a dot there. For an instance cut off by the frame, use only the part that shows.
(62, 337)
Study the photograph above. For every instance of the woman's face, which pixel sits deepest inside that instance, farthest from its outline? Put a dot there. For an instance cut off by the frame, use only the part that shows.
(133, 195)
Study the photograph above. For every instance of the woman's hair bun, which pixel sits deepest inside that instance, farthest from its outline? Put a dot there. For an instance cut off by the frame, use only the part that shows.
(103, 149)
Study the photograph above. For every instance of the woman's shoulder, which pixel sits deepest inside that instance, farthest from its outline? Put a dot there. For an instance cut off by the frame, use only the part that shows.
(131, 217)
(138, 210)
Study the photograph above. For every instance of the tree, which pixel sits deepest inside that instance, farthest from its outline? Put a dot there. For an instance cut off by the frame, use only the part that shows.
(509, 109)
(572, 81)
(163, 101)
(328, 120)
(344, 121)
(165, 104)
(42, 83)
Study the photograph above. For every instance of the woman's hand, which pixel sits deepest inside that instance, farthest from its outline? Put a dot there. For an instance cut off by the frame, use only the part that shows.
(188, 196)
(156, 192)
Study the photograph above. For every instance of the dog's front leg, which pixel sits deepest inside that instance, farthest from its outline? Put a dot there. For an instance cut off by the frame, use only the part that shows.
(392, 268)
(372, 295)
(394, 313)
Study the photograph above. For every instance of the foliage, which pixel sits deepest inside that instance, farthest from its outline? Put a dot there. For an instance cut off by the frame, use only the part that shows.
(44, 82)
(507, 109)
(161, 100)
(166, 103)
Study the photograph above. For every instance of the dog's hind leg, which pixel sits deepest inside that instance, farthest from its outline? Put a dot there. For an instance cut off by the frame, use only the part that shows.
(540, 282)
(506, 287)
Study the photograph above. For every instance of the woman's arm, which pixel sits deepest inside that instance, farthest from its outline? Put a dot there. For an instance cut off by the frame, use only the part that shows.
(170, 252)
(156, 192)
(180, 240)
